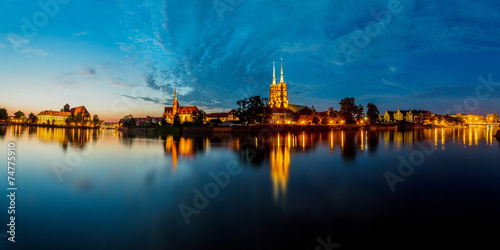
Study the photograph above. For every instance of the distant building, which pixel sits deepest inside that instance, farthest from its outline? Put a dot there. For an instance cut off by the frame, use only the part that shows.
(185, 113)
(471, 119)
(281, 115)
(492, 118)
(141, 121)
(427, 116)
(53, 117)
(414, 116)
(213, 116)
(66, 108)
(278, 93)
(281, 110)
(59, 117)
(80, 110)
(393, 116)
(232, 116)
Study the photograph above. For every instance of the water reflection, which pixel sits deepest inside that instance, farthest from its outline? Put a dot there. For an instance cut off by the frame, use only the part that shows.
(322, 178)
(277, 150)
(3, 130)
(77, 138)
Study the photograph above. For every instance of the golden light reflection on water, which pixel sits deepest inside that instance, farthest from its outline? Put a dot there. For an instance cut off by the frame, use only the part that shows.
(77, 138)
(280, 164)
(278, 149)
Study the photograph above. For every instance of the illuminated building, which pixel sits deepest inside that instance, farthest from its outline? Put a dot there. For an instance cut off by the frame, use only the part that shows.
(281, 110)
(471, 119)
(185, 113)
(492, 118)
(53, 117)
(278, 93)
(59, 117)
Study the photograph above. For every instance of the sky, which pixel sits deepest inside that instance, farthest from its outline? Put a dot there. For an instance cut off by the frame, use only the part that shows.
(120, 57)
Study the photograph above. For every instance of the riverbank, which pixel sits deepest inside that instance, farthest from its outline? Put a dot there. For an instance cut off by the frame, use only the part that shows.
(298, 128)
(149, 131)
(45, 125)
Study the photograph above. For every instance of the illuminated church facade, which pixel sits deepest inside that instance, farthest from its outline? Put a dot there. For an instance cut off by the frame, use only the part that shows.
(281, 110)
(278, 93)
(185, 113)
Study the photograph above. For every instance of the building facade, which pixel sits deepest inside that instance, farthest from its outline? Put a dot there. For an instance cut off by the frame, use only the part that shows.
(492, 118)
(278, 93)
(50, 117)
(471, 119)
(59, 117)
(185, 113)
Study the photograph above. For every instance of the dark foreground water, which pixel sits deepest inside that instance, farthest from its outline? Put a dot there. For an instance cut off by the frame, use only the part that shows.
(84, 189)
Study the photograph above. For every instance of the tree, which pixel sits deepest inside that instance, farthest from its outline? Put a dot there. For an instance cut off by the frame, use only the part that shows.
(348, 109)
(3, 114)
(217, 121)
(315, 120)
(177, 121)
(128, 121)
(95, 120)
(198, 117)
(32, 118)
(70, 120)
(253, 110)
(359, 112)
(18, 114)
(372, 112)
(331, 110)
(296, 117)
(306, 111)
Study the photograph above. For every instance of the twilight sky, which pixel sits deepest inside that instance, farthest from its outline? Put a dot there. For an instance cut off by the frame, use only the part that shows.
(118, 57)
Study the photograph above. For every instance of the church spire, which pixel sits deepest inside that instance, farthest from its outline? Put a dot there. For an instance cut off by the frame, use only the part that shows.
(175, 93)
(282, 79)
(274, 74)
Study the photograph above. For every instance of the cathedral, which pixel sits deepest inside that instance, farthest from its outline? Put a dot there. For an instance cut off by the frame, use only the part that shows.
(281, 110)
(185, 113)
(278, 94)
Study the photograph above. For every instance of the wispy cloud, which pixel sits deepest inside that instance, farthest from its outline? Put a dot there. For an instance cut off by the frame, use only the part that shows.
(87, 72)
(2, 46)
(391, 83)
(119, 83)
(148, 99)
(21, 45)
(81, 33)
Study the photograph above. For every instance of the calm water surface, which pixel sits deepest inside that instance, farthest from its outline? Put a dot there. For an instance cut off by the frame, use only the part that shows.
(84, 189)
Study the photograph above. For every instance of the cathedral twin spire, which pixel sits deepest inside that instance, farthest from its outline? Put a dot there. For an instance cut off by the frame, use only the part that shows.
(282, 80)
(278, 94)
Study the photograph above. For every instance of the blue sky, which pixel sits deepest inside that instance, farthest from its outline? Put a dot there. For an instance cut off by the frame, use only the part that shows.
(118, 57)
